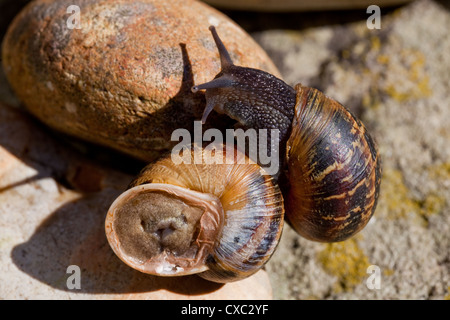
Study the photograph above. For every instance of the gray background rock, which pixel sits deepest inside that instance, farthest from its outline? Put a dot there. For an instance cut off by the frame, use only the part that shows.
(396, 80)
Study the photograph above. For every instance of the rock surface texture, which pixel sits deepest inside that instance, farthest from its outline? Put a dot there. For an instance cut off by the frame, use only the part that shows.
(54, 193)
(396, 80)
(122, 77)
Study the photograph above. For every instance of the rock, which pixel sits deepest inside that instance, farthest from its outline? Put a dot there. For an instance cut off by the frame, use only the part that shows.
(298, 5)
(123, 79)
(396, 80)
(48, 224)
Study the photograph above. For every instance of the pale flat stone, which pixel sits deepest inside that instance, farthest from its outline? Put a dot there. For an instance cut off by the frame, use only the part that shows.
(47, 225)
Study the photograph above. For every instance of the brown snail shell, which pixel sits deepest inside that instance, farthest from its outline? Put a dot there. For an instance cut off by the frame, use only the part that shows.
(221, 221)
(331, 171)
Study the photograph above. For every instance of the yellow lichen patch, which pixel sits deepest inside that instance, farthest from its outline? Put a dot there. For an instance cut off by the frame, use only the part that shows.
(397, 199)
(410, 66)
(396, 195)
(375, 43)
(423, 90)
(372, 98)
(397, 95)
(346, 261)
(447, 297)
(383, 59)
(388, 272)
(441, 171)
(433, 204)
(402, 77)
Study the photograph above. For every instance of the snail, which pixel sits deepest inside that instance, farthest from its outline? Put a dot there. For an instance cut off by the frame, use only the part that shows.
(330, 167)
(220, 221)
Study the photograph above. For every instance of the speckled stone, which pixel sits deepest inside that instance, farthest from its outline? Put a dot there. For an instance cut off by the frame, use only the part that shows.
(123, 79)
(396, 80)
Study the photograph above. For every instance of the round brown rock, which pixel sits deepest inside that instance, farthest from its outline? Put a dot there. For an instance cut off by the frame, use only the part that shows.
(122, 77)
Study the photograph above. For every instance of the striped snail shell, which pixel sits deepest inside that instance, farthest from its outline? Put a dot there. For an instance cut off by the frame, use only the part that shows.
(330, 167)
(333, 169)
(220, 221)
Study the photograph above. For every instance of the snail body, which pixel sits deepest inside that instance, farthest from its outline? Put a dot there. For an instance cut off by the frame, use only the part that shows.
(330, 169)
(220, 221)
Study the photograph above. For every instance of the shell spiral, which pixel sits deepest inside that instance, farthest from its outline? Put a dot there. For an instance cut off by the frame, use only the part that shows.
(252, 205)
(333, 170)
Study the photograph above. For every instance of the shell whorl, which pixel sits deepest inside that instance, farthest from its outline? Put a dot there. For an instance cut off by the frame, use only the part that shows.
(252, 205)
(333, 170)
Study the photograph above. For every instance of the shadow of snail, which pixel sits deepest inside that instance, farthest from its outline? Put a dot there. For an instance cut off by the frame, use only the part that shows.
(73, 233)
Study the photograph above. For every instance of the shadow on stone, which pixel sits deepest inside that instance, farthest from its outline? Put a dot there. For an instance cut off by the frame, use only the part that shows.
(74, 235)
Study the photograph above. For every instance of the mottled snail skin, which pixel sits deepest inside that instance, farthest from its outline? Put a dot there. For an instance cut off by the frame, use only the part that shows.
(220, 221)
(254, 98)
(330, 175)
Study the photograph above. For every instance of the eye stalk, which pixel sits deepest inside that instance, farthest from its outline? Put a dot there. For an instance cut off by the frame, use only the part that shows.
(225, 59)
(254, 98)
(225, 62)
(214, 84)
(218, 82)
